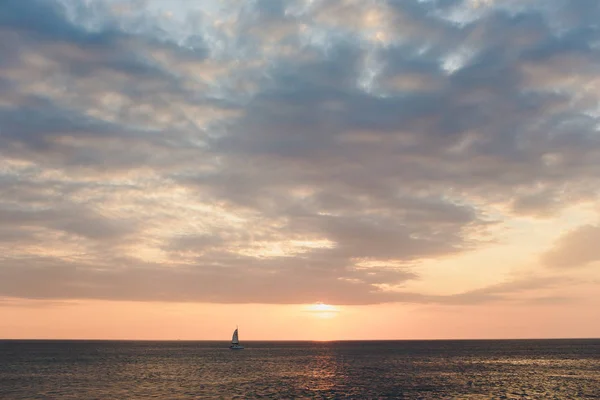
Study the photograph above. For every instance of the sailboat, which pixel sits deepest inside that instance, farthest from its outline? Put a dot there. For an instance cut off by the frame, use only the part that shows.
(235, 342)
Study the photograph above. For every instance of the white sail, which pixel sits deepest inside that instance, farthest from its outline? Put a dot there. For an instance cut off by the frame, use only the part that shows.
(235, 342)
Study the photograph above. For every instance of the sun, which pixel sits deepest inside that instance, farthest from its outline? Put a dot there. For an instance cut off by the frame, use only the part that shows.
(322, 307)
(322, 310)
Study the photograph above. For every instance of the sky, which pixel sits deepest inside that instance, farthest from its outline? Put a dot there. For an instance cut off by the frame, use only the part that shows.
(307, 169)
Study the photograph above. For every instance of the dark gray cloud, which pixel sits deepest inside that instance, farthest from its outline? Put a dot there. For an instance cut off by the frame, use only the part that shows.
(80, 221)
(283, 152)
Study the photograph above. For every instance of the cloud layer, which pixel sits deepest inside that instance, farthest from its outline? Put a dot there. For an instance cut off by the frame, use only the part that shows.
(284, 151)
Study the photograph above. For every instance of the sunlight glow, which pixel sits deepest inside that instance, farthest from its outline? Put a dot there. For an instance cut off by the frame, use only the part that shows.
(321, 310)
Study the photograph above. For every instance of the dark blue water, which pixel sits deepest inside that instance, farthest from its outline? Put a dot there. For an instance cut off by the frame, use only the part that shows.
(531, 369)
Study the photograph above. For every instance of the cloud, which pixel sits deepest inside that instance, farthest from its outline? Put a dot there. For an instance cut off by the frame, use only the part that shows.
(516, 290)
(282, 152)
(576, 248)
(27, 303)
(257, 282)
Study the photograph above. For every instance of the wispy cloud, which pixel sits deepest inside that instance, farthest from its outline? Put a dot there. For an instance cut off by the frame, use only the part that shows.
(576, 248)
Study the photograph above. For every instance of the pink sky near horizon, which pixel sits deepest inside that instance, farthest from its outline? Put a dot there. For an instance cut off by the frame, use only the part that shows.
(179, 321)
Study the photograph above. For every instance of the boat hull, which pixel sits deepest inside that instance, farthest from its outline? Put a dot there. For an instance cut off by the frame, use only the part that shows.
(236, 347)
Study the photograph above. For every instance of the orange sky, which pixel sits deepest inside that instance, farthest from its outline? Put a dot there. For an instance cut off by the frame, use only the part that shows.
(160, 321)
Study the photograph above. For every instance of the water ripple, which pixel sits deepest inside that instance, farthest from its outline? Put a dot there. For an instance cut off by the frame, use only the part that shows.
(552, 369)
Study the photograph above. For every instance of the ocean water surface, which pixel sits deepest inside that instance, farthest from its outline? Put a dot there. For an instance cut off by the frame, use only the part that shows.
(482, 369)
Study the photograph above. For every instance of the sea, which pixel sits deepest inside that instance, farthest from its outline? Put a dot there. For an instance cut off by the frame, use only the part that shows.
(453, 369)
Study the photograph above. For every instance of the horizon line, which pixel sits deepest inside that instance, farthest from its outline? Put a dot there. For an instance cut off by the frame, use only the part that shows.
(292, 340)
